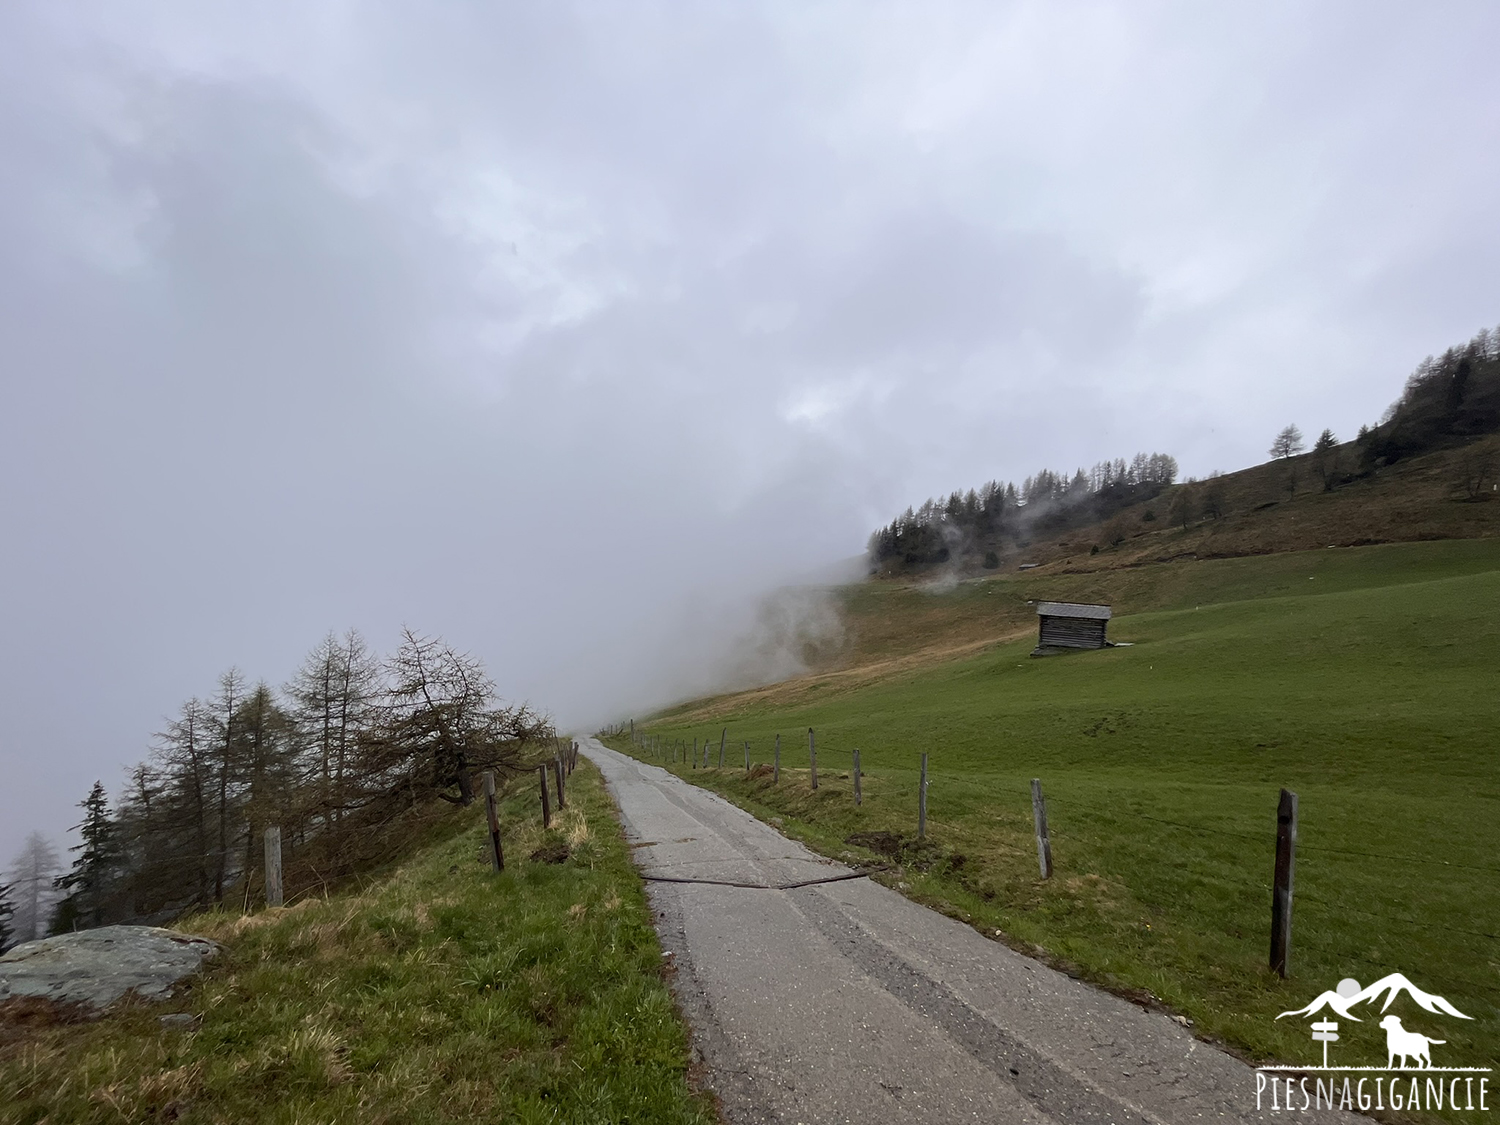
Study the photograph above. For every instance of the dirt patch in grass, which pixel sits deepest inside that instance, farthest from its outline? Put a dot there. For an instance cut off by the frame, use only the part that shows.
(918, 853)
(23, 1017)
(553, 851)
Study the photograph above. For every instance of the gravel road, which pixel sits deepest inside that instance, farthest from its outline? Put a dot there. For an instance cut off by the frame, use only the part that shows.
(818, 996)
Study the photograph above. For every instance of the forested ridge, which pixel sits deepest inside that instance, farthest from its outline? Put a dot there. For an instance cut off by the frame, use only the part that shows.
(980, 519)
(1448, 400)
(348, 759)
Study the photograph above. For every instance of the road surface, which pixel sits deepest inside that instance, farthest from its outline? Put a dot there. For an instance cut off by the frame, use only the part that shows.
(818, 996)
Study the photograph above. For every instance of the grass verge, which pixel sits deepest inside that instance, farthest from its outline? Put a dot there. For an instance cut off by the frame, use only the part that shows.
(443, 993)
(1363, 679)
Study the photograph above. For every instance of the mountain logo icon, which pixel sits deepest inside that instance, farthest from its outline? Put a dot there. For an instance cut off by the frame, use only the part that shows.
(1405, 1048)
(1348, 994)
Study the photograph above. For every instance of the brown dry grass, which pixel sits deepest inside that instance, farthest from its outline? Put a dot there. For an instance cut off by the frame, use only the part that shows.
(895, 627)
(1420, 498)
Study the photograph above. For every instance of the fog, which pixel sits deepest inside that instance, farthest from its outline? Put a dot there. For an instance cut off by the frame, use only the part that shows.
(570, 331)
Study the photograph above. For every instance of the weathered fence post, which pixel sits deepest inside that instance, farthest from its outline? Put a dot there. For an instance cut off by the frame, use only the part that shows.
(1039, 820)
(273, 866)
(1281, 892)
(776, 770)
(812, 756)
(922, 801)
(497, 853)
(747, 757)
(723, 734)
(858, 797)
(695, 751)
(546, 804)
(632, 728)
(561, 803)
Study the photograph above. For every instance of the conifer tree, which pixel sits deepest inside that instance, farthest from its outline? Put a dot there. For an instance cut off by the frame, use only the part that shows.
(31, 875)
(94, 876)
(7, 912)
(1325, 459)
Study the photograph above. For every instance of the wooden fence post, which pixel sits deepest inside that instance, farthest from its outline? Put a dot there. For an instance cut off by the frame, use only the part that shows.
(273, 866)
(747, 757)
(922, 801)
(812, 756)
(632, 730)
(497, 853)
(561, 804)
(858, 797)
(722, 735)
(776, 770)
(1281, 892)
(695, 751)
(1039, 820)
(546, 805)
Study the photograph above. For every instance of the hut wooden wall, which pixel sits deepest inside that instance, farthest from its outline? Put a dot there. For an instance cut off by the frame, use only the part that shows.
(1072, 632)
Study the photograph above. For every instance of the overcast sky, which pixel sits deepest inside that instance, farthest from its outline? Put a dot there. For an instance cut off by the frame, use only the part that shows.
(565, 330)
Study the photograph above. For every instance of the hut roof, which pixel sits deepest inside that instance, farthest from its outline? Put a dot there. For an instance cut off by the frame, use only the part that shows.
(1073, 609)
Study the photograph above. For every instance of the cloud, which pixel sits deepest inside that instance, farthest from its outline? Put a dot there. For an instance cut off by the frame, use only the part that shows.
(569, 331)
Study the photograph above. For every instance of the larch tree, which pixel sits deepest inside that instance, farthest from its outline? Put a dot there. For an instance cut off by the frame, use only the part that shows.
(441, 722)
(265, 754)
(174, 809)
(1214, 499)
(1184, 507)
(31, 878)
(223, 709)
(7, 917)
(332, 697)
(1288, 443)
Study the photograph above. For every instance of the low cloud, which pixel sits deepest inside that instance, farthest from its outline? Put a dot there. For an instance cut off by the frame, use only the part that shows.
(572, 334)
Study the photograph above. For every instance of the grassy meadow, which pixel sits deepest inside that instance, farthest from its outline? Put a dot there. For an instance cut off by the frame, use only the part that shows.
(441, 993)
(1365, 679)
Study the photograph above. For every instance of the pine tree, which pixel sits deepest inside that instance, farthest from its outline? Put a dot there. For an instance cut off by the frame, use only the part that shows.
(94, 877)
(1325, 458)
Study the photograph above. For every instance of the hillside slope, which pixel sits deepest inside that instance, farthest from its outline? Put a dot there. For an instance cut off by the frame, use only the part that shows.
(1362, 678)
(441, 993)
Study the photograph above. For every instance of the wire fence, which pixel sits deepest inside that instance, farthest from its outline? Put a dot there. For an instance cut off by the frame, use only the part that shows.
(1073, 813)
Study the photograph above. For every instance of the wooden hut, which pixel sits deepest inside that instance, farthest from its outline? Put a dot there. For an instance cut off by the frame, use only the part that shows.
(1063, 625)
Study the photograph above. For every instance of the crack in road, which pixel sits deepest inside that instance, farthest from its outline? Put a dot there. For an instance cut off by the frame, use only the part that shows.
(844, 878)
(838, 1000)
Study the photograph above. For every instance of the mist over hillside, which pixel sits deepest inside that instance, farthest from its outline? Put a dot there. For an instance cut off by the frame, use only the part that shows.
(571, 335)
(1450, 402)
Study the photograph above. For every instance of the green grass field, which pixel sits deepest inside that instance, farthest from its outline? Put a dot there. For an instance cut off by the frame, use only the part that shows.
(443, 993)
(1367, 680)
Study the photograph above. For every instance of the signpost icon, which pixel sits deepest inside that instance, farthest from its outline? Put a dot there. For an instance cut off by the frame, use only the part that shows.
(1325, 1031)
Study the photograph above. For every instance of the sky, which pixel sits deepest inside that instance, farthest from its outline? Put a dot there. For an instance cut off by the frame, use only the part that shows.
(567, 331)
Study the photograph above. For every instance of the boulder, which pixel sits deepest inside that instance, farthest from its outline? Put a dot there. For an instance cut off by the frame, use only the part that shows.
(94, 968)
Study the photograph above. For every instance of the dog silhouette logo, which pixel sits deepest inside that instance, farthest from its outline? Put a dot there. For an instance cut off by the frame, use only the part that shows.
(1406, 1045)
